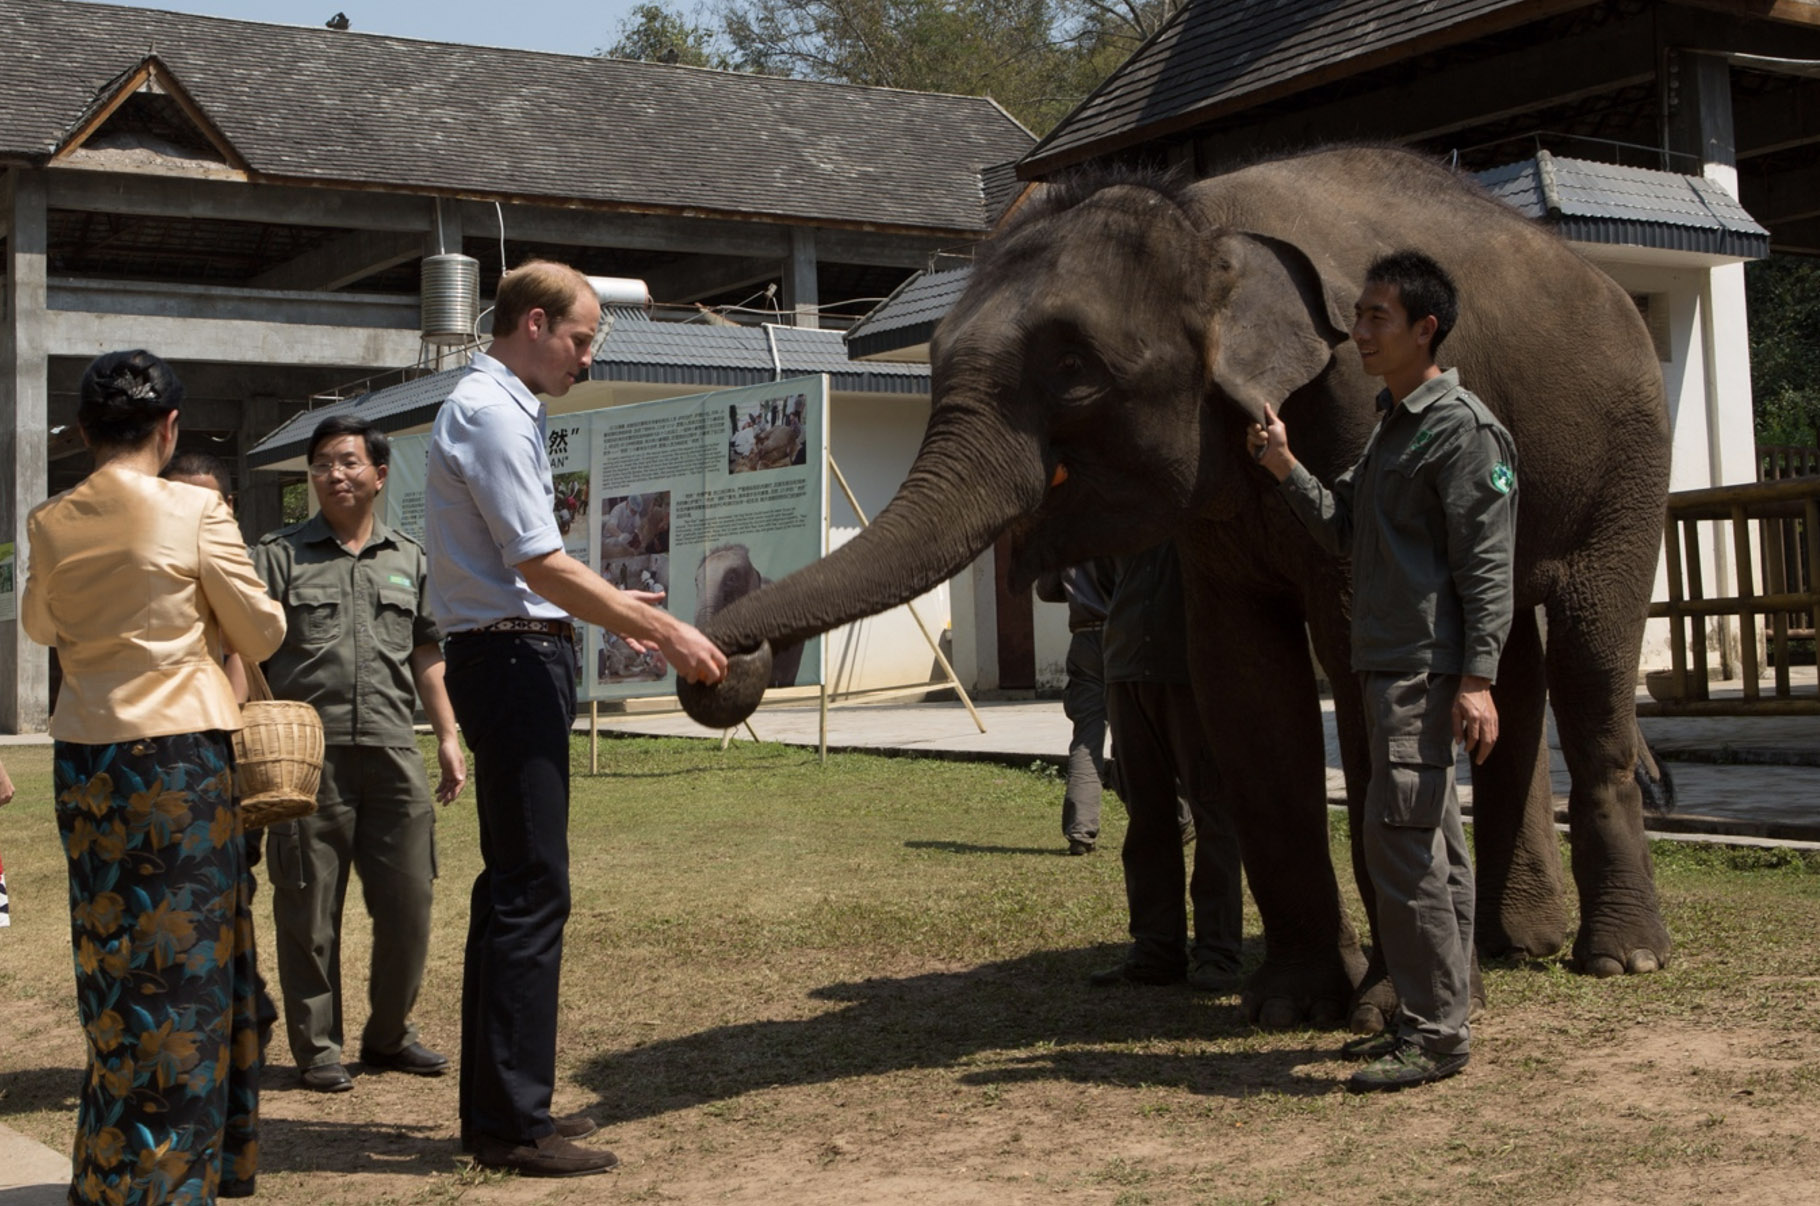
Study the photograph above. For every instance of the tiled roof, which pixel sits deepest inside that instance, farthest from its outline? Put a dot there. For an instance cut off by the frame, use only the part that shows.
(909, 316)
(687, 354)
(1213, 52)
(1549, 185)
(317, 105)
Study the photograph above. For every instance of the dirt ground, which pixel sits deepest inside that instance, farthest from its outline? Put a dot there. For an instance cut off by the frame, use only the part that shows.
(1548, 1111)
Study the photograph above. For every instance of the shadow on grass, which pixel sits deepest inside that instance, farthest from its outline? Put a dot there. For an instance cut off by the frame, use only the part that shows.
(1037, 1010)
(970, 848)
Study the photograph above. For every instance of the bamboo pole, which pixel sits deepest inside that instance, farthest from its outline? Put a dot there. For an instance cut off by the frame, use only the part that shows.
(934, 646)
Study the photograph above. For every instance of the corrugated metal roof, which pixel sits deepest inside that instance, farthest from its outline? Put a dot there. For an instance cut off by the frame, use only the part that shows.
(427, 117)
(661, 353)
(909, 316)
(1212, 52)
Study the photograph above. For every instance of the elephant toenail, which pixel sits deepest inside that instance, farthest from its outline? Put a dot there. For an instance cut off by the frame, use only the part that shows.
(1604, 967)
(1642, 962)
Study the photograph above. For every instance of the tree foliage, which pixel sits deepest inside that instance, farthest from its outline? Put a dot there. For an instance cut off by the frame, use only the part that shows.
(1783, 294)
(656, 33)
(1037, 58)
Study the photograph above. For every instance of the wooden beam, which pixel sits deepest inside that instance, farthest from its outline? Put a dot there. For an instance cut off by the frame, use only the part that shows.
(1778, 121)
(81, 334)
(138, 76)
(1454, 98)
(704, 276)
(1795, 12)
(341, 261)
(802, 296)
(1785, 196)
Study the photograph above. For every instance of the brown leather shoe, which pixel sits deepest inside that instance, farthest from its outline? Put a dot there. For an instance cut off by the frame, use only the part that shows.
(568, 1126)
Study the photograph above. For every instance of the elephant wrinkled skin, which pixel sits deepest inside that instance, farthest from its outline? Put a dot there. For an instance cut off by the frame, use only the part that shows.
(1091, 391)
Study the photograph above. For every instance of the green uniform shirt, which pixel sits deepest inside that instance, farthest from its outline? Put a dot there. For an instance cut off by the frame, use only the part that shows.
(353, 620)
(1429, 517)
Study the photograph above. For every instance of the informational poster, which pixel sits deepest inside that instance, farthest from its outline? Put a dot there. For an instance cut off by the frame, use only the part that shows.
(703, 498)
(9, 590)
(707, 498)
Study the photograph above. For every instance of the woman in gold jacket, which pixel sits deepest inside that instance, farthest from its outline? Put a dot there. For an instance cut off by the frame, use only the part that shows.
(136, 581)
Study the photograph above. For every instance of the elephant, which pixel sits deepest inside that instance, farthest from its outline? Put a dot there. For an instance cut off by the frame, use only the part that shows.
(727, 574)
(1091, 391)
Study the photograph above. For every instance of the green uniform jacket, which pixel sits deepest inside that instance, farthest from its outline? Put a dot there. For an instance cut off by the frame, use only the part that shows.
(1429, 516)
(353, 620)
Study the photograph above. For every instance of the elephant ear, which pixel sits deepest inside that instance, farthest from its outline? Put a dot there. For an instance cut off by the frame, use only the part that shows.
(1275, 320)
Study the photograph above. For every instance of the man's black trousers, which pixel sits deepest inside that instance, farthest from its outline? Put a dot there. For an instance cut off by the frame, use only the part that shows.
(514, 697)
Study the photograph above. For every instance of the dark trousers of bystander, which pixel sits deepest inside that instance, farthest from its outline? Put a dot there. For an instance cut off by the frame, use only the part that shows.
(1084, 703)
(1162, 757)
(514, 697)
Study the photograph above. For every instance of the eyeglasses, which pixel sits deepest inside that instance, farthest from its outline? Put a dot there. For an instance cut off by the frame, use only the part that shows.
(350, 466)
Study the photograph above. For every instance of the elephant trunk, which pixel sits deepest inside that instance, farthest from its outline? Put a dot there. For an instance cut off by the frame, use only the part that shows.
(970, 480)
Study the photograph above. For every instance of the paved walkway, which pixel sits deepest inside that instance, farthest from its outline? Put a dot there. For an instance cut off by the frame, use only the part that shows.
(1735, 778)
(31, 1174)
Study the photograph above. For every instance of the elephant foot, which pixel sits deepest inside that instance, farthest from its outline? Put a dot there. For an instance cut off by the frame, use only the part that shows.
(1374, 1006)
(1306, 990)
(1520, 937)
(1610, 948)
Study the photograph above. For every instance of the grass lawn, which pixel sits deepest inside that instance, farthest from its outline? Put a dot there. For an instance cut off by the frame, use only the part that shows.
(865, 982)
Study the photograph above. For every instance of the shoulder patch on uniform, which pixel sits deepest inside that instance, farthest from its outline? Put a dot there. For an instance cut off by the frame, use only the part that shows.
(1503, 477)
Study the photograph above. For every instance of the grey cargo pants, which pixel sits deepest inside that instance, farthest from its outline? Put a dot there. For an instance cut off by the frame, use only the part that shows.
(1415, 850)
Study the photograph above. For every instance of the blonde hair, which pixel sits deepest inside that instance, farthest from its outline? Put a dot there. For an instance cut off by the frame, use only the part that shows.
(536, 285)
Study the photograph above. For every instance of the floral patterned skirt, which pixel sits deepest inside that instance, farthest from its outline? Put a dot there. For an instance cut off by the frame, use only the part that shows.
(163, 939)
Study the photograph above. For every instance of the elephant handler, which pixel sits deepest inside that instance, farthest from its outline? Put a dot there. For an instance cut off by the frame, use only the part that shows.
(1428, 515)
(503, 588)
(361, 647)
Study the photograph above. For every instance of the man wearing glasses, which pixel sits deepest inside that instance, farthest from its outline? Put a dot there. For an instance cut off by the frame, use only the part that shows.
(361, 647)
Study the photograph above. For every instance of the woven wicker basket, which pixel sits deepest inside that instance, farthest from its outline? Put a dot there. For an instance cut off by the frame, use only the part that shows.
(277, 755)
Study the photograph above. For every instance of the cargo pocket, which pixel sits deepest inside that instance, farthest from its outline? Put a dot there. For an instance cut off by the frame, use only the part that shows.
(1420, 775)
(284, 855)
(397, 612)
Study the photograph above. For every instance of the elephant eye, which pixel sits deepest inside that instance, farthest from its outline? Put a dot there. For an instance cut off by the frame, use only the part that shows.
(1071, 364)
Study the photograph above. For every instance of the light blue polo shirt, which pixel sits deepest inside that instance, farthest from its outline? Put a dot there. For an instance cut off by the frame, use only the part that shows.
(488, 501)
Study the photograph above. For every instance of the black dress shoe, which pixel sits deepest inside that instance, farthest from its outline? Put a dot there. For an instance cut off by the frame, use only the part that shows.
(551, 1156)
(326, 1078)
(1136, 973)
(1078, 846)
(414, 1058)
(569, 1126)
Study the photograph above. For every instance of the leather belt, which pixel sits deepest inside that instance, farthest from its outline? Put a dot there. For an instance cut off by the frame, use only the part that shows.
(554, 628)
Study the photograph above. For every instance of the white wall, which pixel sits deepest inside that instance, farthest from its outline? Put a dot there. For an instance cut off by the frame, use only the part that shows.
(1713, 433)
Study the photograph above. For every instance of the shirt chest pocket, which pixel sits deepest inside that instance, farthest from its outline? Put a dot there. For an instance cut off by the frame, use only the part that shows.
(396, 613)
(316, 617)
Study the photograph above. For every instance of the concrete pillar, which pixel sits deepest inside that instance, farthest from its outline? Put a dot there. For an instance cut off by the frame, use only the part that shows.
(24, 400)
(259, 504)
(1697, 106)
(800, 294)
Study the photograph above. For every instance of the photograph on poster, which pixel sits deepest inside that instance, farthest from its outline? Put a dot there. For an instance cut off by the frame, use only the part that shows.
(650, 572)
(571, 498)
(767, 436)
(635, 525)
(726, 574)
(618, 662)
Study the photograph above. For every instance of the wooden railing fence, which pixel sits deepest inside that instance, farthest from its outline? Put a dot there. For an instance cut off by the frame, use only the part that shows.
(1786, 511)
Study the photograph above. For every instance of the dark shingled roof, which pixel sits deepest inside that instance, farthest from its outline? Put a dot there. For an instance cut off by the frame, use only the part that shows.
(321, 106)
(688, 354)
(1211, 53)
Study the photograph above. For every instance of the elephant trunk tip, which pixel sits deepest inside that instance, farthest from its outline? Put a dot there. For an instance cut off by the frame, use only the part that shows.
(727, 703)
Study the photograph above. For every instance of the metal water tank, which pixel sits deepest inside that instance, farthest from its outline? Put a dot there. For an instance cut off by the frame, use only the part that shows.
(451, 298)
